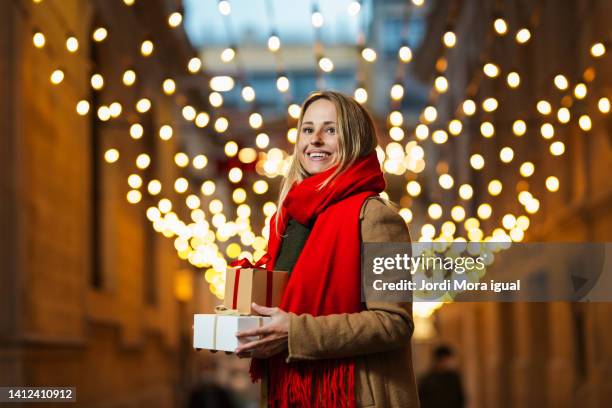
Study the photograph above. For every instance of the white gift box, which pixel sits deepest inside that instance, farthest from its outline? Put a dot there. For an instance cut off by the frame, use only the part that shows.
(218, 332)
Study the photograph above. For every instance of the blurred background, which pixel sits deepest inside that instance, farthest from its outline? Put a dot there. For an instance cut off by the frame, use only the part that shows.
(143, 144)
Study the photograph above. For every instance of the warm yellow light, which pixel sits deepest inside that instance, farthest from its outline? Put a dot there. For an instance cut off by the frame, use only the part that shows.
(523, 35)
(292, 135)
(262, 140)
(134, 181)
(561, 82)
(221, 124)
(194, 65)
(547, 130)
(527, 169)
(111, 155)
(38, 39)
(552, 183)
(532, 206)
(215, 99)
(282, 83)
(421, 132)
(396, 118)
(154, 187)
(143, 105)
(181, 185)
(129, 2)
(57, 77)
(580, 91)
(104, 113)
(487, 129)
(97, 82)
(189, 113)
(397, 92)
(169, 86)
(469, 107)
(396, 133)
(82, 107)
(181, 159)
(406, 214)
(441, 84)
(405, 54)
(129, 77)
(248, 94)
(477, 161)
(202, 119)
(434, 211)
(255, 120)
(513, 79)
(446, 181)
(239, 195)
(500, 25)
(604, 105)
(430, 114)
(134, 196)
(100, 34)
(72, 44)
(208, 188)
(142, 161)
(519, 127)
(361, 95)
(192, 201)
(455, 127)
(235, 175)
(115, 109)
(544, 107)
(490, 104)
(466, 191)
(369, 54)
(228, 54)
(326, 64)
(146, 48)
(166, 132)
(260, 187)
(164, 205)
(598, 50)
(200, 161)
(557, 148)
(484, 211)
(413, 188)
(585, 123)
(458, 213)
(231, 148)
(449, 39)
(491, 70)
(439, 136)
(175, 19)
(427, 232)
(136, 131)
(506, 154)
(563, 115)
(509, 221)
(495, 187)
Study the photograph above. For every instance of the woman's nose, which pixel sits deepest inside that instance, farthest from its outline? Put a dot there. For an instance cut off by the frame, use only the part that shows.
(317, 138)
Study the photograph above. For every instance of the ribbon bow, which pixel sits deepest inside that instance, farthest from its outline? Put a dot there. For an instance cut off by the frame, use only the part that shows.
(245, 263)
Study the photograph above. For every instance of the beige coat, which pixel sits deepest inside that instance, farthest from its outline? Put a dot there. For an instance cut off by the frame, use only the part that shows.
(379, 337)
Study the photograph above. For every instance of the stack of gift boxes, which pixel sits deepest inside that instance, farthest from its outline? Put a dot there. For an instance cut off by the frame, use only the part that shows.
(244, 285)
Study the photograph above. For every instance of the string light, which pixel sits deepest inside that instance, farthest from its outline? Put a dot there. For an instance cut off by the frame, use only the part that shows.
(326, 64)
(469, 107)
(100, 34)
(57, 77)
(72, 44)
(368, 54)
(166, 132)
(598, 50)
(552, 183)
(215, 99)
(143, 105)
(361, 95)
(129, 77)
(449, 39)
(202, 119)
(563, 115)
(495, 187)
(353, 8)
(225, 7)
(547, 131)
(513, 79)
(111, 155)
(465, 190)
(519, 127)
(282, 83)
(405, 54)
(194, 65)
(146, 48)
(39, 40)
(189, 113)
(248, 94)
(585, 123)
(487, 129)
(82, 107)
(544, 107)
(489, 104)
(97, 82)
(506, 154)
(175, 19)
(527, 169)
(580, 91)
(561, 82)
(523, 35)
(317, 19)
(441, 84)
(221, 124)
(274, 43)
(557, 148)
(604, 105)
(169, 86)
(491, 70)
(500, 25)
(477, 161)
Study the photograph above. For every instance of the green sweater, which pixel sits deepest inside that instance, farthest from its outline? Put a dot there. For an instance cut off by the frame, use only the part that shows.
(293, 241)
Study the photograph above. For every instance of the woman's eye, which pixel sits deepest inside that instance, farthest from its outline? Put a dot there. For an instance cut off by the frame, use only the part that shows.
(331, 130)
(307, 130)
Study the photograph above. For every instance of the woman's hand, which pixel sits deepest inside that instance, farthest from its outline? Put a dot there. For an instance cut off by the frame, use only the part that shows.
(273, 338)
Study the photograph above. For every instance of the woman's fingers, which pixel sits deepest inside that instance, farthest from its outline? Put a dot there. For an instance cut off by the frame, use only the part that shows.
(260, 331)
(263, 310)
(257, 343)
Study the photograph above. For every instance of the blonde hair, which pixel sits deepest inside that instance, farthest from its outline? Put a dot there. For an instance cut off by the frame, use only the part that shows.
(356, 138)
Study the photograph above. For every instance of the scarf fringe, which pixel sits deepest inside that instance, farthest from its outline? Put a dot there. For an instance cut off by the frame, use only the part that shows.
(321, 383)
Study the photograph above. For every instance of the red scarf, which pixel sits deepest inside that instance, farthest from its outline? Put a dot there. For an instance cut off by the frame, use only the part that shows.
(325, 280)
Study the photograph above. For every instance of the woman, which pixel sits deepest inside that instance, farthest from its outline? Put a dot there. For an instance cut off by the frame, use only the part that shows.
(323, 347)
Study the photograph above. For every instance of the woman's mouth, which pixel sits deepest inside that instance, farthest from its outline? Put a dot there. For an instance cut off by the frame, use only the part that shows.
(318, 156)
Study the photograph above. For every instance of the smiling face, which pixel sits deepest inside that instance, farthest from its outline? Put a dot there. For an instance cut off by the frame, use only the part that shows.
(318, 140)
